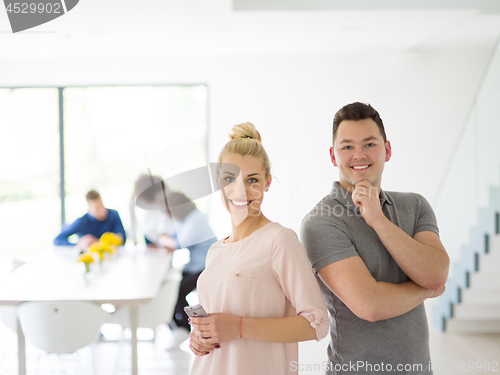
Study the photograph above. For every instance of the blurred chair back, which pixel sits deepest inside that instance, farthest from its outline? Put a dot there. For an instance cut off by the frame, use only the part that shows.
(8, 317)
(60, 327)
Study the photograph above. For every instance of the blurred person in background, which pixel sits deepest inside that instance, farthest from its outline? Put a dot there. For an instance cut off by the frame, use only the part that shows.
(155, 222)
(91, 226)
(172, 221)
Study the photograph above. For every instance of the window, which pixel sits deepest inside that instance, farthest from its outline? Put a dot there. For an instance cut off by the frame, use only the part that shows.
(111, 135)
(29, 171)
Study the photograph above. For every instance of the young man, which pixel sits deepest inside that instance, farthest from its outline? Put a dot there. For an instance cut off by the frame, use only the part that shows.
(377, 256)
(90, 227)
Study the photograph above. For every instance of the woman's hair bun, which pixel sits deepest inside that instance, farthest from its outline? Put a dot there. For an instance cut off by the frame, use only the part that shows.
(245, 141)
(245, 130)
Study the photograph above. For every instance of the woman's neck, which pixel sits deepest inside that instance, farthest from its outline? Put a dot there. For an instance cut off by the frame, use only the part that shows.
(246, 227)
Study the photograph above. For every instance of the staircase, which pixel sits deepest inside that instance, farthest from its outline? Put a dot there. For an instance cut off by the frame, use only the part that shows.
(471, 302)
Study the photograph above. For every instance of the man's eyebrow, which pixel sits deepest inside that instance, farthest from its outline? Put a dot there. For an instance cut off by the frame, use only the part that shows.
(346, 141)
(370, 138)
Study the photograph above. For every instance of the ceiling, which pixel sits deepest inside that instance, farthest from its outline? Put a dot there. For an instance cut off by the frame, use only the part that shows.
(163, 28)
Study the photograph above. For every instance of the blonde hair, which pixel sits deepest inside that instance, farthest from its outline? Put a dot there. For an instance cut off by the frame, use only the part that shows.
(245, 140)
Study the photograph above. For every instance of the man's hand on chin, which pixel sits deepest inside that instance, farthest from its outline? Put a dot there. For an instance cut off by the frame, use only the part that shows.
(367, 198)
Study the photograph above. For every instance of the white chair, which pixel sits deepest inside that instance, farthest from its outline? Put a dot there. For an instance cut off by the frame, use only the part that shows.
(9, 346)
(61, 327)
(8, 317)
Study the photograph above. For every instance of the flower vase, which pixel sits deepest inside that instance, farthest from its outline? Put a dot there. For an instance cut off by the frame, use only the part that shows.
(88, 275)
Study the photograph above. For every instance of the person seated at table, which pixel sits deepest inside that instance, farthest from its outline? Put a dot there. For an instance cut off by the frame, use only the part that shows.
(190, 229)
(91, 226)
(155, 222)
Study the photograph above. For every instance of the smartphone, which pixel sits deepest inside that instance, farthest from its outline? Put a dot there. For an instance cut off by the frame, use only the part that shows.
(196, 311)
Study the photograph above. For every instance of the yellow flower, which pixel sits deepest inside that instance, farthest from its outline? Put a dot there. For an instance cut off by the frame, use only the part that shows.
(86, 258)
(108, 248)
(111, 239)
(96, 246)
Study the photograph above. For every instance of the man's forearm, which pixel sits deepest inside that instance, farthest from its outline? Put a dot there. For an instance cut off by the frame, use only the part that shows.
(424, 264)
(392, 300)
(382, 300)
(367, 298)
(423, 257)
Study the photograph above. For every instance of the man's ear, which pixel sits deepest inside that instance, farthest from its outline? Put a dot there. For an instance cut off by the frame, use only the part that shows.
(332, 157)
(388, 151)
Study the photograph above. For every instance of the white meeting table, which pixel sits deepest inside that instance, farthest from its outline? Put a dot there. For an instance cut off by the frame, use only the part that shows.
(128, 278)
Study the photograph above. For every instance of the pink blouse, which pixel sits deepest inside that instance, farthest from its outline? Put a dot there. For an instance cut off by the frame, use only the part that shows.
(265, 275)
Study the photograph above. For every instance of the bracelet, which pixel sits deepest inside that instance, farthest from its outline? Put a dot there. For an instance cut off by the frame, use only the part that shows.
(241, 336)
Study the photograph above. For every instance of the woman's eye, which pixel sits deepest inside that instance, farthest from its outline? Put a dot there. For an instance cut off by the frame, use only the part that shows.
(253, 180)
(229, 179)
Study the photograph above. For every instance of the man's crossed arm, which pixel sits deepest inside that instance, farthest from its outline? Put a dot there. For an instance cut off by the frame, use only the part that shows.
(423, 259)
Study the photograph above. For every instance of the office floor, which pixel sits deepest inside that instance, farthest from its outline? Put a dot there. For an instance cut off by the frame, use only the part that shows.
(454, 353)
(154, 359)
(451, 354)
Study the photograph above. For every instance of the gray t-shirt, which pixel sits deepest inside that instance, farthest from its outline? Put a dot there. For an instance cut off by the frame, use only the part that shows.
(335, 230)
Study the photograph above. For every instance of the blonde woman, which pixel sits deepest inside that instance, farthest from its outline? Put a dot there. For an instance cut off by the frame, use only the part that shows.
(258, 287)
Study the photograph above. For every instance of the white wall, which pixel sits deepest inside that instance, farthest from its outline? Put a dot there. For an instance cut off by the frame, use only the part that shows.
(423, 96)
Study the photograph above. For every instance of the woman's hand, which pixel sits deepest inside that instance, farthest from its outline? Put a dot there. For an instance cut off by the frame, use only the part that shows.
(216, 328)
(197, 346)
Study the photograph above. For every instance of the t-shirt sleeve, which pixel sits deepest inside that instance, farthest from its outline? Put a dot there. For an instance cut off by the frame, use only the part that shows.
(327, 239)
(289, 262)
(62, 238)
(426, 218)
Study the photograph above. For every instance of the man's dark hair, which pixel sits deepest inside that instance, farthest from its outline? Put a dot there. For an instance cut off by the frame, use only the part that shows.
(355, 112)
(152, 193)
(146, 186)
(179, 205)
(92, 195)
